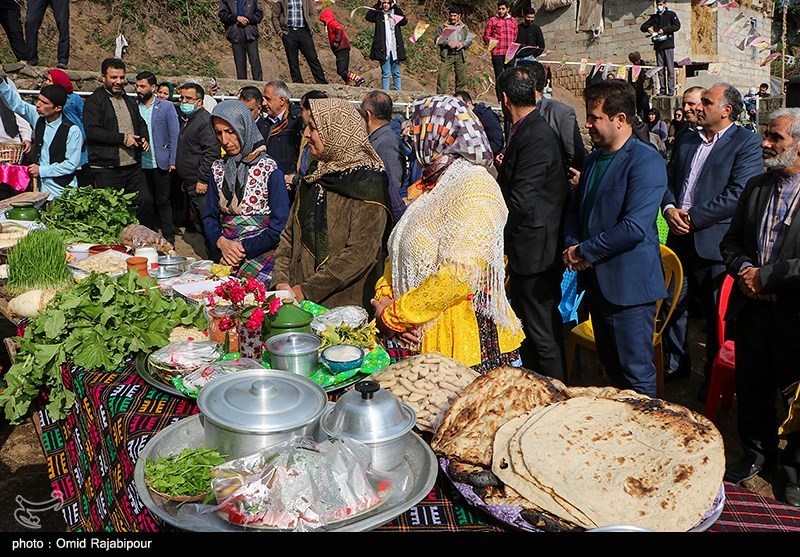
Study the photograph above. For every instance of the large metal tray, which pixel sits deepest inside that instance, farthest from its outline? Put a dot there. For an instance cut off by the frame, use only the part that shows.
(144, 371)
(413, 479)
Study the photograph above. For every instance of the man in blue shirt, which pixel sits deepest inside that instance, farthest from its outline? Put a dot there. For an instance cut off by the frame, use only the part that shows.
(57, 142)
(158, 162)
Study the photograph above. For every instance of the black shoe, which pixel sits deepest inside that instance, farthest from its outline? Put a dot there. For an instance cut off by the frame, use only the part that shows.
(680, 373)
(792, 495)
(61, 66)
(742, 470)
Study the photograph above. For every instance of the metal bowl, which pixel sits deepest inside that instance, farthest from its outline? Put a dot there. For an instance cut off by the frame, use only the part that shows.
(174, 261)
(375, 417)
(295, 352)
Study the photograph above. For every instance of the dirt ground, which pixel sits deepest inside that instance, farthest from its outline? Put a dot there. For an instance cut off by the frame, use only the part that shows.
(23, 468)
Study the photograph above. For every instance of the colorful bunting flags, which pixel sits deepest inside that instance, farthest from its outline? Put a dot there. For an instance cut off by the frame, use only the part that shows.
(770, 58)
(419, 29)
(582, 68)
(635, 71)
(512, 50)
(596, 67)
(563, 62)
(653, 71)
(622, 72)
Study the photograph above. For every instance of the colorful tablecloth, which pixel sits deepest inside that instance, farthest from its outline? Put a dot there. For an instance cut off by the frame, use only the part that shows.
(92, 452)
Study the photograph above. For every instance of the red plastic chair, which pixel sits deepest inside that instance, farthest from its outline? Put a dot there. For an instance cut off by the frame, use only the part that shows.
(722, 385)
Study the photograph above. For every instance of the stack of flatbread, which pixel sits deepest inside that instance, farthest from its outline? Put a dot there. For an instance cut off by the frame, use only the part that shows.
(581, 458)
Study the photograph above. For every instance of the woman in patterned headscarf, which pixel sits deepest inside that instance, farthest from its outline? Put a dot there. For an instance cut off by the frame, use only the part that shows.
(332, 245)
(443, 285)
(247, 203)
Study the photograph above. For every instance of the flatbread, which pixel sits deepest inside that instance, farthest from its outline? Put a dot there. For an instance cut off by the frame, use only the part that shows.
(469, 426)
(632, 462)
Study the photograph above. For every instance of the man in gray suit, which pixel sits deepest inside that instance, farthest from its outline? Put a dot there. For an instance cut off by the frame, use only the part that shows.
(706, 175)
(560, 117)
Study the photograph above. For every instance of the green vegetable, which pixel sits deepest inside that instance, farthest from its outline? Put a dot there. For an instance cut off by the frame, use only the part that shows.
(38, 261)
(96, 324)
(92, 215)
(187, 474)
(363, 337)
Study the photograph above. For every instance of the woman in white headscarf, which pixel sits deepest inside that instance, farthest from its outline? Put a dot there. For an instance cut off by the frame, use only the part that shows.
(247, 204)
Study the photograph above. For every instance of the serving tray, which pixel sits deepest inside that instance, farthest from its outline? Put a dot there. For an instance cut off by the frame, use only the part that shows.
(414, 479)
(143, 369)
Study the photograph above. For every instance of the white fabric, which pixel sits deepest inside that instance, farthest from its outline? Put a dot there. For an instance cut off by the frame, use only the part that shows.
(458, 223)
(391, 40)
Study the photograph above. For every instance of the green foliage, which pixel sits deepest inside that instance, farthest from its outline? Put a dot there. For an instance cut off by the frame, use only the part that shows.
(92, 215)
(96, 324)
(187, 474)
(38, 261)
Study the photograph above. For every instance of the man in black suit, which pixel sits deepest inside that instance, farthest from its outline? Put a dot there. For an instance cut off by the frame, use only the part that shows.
(535, 189)
(706, 175)
(762, 252)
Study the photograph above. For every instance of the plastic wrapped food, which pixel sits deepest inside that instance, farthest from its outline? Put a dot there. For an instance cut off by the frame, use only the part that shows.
(298, 485)
(137, 236)
(352, 316)
(178, 358)
(191, 383)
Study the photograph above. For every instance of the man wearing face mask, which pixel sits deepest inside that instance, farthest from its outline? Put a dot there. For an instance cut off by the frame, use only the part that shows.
(662, 26)
(197, 149)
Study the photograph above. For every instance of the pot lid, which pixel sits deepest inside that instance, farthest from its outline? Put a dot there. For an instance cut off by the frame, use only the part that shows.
(262, 401)
(289, 315)
(368, 414)
(293, 344)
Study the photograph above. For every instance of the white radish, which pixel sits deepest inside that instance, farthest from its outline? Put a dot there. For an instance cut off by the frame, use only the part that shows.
(30, 303)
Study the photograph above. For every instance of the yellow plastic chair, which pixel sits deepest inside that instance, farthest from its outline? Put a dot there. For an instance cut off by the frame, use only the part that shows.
(583, 333)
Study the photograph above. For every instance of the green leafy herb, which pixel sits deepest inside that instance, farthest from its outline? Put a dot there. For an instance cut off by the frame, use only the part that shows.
(363, 337)
(39, 260)
(96, 323)
(187, 474)
(92, 215)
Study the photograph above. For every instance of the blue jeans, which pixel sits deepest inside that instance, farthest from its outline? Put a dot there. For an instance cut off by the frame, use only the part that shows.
(390, 65)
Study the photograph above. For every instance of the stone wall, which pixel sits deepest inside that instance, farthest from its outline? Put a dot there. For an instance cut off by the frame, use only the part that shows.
(621, 35)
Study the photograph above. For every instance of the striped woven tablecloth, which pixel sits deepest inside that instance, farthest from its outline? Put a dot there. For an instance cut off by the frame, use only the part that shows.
(92, 452)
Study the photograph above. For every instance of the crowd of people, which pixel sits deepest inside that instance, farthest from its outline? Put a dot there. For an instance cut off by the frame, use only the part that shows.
(454, 227)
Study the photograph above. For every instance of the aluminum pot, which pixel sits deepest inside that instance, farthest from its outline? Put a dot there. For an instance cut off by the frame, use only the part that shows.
(375, 417)
(250, 410)
(295, 352)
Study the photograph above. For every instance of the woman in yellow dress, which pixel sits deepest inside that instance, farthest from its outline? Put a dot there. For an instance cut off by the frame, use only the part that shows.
(443, 283)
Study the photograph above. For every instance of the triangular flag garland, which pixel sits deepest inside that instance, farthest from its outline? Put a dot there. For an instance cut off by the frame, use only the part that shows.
(582, 68)
(770, 58)
(606, 69)
(730, 27)
(564, 60)
(635, 71)
(419, 29)
(597, 65)
(622, 72)
(653, 71)
(512, 50)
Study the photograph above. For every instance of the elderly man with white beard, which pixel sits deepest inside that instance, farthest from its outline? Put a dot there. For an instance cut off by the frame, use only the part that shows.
(761, 251)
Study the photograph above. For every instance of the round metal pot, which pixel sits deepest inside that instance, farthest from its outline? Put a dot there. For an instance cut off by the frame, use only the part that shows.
(295, 352)
(374, 417)
(247, 411)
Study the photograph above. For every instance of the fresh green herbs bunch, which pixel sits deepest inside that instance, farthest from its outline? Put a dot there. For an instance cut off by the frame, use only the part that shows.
(96, 324)
(39, 260)
(185, 475)
(92, 215)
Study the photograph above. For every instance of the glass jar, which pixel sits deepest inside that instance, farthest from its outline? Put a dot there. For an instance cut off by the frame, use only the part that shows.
(229, 338)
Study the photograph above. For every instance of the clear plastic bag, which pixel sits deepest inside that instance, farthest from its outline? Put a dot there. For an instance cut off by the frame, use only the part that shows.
(137, 236)
(299, 485)
(191, 383)
(184, 356)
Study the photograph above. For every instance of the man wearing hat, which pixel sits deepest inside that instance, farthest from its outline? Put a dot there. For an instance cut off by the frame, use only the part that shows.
(451, 38)
(57, 142)
(73, 111)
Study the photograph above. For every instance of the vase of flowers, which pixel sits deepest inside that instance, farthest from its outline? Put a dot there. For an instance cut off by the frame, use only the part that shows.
(252, 313)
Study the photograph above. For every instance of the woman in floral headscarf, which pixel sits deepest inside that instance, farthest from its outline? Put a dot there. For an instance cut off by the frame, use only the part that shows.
(331, 247)
(247, 203)
(443, 285)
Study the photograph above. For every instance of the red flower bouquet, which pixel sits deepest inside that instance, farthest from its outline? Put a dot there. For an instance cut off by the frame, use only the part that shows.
(252, 312)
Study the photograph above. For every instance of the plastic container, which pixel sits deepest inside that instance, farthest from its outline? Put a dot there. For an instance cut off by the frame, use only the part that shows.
(151, 254)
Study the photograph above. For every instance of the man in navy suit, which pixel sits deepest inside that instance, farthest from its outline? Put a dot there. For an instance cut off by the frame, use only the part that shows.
(158, 162)
(706, 175)
(612, 239)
